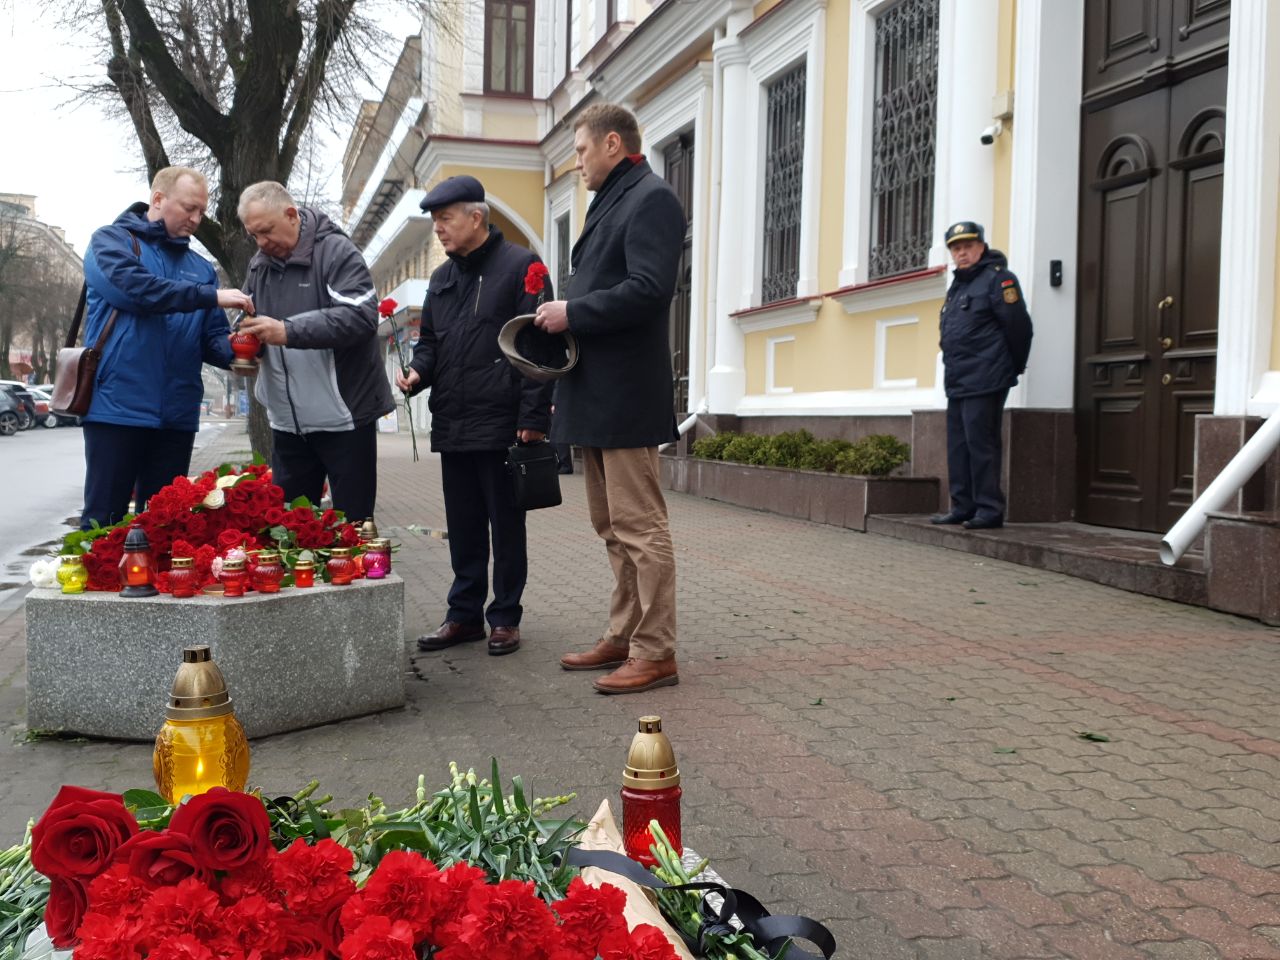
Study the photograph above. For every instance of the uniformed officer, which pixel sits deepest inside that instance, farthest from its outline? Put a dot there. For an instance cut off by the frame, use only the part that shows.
(479, 407)
(986, 337)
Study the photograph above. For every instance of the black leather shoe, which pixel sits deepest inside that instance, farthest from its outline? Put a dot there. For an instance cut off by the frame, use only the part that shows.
(984, 523)
(451, 634)
(504, 640)
(948, 518)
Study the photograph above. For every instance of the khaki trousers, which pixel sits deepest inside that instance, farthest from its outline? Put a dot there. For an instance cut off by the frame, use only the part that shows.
(627, 509)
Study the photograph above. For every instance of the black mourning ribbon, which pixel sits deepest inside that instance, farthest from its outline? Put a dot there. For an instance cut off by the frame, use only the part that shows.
(771, 933)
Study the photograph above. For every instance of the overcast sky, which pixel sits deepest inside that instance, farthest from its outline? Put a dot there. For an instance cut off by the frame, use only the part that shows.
(83, 168)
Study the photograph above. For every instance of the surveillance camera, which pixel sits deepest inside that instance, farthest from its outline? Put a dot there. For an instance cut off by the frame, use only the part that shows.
(989, 135)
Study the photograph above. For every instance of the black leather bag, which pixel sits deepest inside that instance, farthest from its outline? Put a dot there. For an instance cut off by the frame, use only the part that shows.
(535, 475)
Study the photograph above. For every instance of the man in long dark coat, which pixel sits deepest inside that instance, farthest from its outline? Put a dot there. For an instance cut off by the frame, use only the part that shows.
(616, 404)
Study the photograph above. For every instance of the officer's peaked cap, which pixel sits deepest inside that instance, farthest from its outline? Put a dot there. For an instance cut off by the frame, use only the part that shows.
(965, 230)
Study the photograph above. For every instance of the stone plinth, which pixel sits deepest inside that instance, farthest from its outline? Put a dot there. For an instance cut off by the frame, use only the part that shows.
(102, 665)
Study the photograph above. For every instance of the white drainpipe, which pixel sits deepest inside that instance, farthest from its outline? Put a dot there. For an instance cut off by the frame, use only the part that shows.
(1233, 476)
(687, 424)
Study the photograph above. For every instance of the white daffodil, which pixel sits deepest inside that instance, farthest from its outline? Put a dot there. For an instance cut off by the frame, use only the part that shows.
(215, 498)
(44, 573)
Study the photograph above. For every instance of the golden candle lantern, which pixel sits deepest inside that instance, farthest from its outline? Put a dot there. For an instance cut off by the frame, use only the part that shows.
(201, 744)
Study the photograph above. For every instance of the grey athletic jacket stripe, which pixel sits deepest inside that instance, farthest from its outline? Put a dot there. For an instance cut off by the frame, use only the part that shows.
(331, 376)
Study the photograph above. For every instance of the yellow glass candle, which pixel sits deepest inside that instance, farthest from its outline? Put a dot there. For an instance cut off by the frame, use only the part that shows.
(193, 755)
(72, 574)
(201, 744)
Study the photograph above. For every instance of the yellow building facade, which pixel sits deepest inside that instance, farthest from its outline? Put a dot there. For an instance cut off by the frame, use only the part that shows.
(820, 147)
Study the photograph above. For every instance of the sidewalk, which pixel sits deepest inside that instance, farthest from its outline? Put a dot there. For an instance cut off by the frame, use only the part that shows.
(883, 735)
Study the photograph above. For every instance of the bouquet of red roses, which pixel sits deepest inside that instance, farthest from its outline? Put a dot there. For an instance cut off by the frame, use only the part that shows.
(211, 884)
(227, 508)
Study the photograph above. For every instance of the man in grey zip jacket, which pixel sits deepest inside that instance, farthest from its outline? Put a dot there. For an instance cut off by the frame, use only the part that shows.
(321, 377)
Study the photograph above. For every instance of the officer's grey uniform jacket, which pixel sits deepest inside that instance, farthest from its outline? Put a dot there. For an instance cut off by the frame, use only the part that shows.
(330, 376)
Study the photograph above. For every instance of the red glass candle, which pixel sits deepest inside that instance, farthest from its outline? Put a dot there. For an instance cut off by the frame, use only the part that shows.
(340, 566)
(182, 577)
(268, 572)
(136, 576)
(377, 558)
(650, 791)
(245, 347)
(234, 578)
(304, 574)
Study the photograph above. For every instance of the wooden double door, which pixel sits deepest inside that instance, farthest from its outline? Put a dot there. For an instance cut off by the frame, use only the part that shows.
(1153, 134)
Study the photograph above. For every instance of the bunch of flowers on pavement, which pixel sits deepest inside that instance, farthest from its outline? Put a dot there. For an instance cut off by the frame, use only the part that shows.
(464, 874)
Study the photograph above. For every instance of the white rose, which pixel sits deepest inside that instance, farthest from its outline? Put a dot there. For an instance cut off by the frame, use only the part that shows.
(214, 499)
(227, 480)
(44, 573)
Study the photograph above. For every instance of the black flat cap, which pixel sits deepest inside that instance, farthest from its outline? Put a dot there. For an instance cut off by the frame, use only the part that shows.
(965, 230)
(462, 189)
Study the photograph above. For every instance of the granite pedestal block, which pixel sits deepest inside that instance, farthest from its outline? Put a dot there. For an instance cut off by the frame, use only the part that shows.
(102, 665)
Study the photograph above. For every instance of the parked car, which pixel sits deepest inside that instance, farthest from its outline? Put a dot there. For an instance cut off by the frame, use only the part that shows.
(26, 403)
(44, 410)
(8, 415)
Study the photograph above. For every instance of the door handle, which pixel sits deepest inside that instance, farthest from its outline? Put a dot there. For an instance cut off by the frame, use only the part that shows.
(1167, 379)
(1166, 342)
(1165, 304)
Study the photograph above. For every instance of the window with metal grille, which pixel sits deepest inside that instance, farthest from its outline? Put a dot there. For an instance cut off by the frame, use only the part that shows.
(562, 254)
(905, 125)
(508, 47)
(783, 180)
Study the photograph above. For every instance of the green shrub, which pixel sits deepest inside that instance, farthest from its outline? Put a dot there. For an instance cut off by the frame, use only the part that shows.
(712, 447)
(788, 449)
(877, 455)
(747, 448)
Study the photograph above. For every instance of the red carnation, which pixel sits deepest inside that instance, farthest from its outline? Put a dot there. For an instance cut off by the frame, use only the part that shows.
(380, 939)
(314, 878)
(535, 280)
(588, 914)
(387, 307)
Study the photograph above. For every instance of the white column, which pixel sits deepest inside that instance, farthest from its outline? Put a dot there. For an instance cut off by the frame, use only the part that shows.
(727, 379)
(968, 46)
(1045, 191)
(1251, 178)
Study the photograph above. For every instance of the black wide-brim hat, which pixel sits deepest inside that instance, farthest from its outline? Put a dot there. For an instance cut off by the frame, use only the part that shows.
(535, 353)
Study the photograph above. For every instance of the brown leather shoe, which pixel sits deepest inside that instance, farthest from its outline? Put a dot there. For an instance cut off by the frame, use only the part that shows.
(603, 656)
(636, 676)
(451, 633)
(504, 640)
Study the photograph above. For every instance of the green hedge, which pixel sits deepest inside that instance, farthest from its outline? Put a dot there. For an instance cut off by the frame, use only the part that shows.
(877, 455)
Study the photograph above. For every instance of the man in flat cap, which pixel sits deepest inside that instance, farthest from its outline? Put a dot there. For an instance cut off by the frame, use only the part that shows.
(479, 406)
(986, 338)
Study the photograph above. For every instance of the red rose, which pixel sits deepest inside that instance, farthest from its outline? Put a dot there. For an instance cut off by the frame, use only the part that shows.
(304, 940)
(230, 538)
(67, 904)
(535, 280)
(161, 858)
(80, 833)
(387, 307)
(227, 829)
(273, 515)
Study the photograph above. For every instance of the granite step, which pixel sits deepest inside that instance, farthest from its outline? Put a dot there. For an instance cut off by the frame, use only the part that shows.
(1127, 559)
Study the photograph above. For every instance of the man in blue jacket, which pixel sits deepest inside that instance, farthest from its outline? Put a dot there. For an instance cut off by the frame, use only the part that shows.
(986, 338)
(166, 314)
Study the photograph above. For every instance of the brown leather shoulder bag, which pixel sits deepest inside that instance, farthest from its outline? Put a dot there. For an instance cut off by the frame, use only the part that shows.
(77, 367)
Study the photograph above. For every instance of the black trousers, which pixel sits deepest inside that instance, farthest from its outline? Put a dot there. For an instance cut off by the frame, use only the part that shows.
(123, 462)
(974, 455)
(349, 458)
(479, 506)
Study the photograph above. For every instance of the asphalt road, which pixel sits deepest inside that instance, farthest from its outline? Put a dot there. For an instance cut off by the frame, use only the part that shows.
(41, 490)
